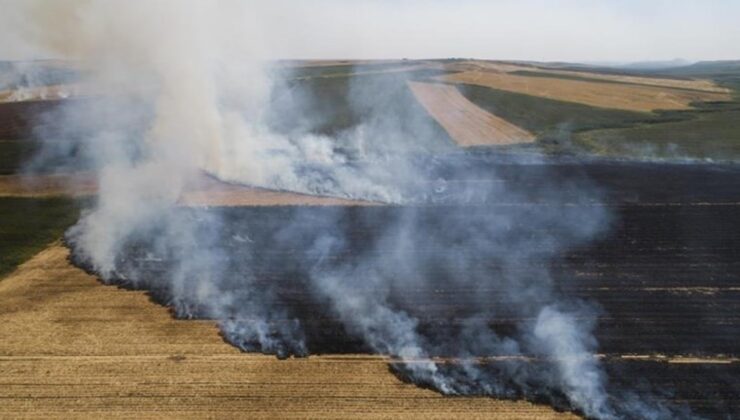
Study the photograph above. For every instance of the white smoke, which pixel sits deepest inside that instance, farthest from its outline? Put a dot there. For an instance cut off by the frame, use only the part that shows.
(188, 90)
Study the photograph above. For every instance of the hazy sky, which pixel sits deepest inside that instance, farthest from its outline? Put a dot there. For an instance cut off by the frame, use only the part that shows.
(526, 29)
(568, 30)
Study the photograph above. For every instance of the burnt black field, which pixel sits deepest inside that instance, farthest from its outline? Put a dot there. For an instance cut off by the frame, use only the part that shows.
(663, 273)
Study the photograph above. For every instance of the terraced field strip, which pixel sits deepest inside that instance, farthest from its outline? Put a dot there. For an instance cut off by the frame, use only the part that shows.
(608, 95)
(468, 124)
(72, 347)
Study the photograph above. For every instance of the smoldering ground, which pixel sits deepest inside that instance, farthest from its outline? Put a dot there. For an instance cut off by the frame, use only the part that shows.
(190, 94)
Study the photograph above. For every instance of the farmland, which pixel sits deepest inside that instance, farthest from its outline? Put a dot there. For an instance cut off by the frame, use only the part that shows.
(466, 123)
(70, 346)
(664, 273)
(28, 225)
(625, 96)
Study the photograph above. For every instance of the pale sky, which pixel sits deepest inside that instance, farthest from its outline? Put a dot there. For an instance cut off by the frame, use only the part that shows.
(568, 30)
(564, 30)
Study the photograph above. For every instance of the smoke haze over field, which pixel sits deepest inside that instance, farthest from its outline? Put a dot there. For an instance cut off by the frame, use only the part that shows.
(190, 92)
(570, 30)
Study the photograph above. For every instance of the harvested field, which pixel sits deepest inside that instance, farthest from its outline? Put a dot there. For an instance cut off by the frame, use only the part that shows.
(466, 123)
(692, 84)
(666, 274)
(208, 192)
(597, 94)
(704, 85)
(486, 66)
(97, 351)
(203, 192)
(75, 185)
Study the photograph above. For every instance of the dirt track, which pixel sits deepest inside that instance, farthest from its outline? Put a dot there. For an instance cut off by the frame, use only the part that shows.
(603, 95)
(72, 347)
(466, 123)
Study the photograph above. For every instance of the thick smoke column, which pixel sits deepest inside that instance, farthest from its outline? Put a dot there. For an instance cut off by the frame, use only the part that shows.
(189, 92)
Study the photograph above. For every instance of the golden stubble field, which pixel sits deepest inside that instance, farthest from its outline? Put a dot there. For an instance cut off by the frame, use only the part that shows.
(203, 191)
(467, 124)
(606, 94)
(552, 70)
(71, 347)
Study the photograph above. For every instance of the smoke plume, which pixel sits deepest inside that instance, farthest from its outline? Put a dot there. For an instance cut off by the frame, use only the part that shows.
(188, 90)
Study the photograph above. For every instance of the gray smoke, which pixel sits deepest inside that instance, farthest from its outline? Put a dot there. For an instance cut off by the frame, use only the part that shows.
(188, 92)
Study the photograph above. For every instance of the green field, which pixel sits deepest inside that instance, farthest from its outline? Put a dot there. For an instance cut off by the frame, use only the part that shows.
(13, 154)
(343, 102)
(713, 135)
(554, 122)
(709, 131)
(27, 225)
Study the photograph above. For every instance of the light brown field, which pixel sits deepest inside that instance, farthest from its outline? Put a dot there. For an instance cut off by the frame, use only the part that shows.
(71, 347)
(40, 186)
(202, 192)
(502, 67)
(208, 191)
(609, 95)
(693, 84)
(466, 123)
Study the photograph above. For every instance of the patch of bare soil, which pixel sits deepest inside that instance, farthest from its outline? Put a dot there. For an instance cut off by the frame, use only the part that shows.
(72, 347)
(467, 123)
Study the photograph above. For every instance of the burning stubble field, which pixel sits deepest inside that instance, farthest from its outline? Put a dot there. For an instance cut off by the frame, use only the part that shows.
(661, 274)
(664, 276)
